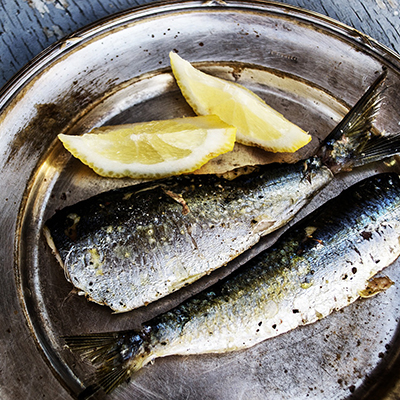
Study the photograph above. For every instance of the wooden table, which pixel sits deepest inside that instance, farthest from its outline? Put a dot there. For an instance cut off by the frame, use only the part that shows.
(27, 27)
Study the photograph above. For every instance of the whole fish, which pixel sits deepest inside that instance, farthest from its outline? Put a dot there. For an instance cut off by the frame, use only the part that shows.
(126, 248)
(321, 264)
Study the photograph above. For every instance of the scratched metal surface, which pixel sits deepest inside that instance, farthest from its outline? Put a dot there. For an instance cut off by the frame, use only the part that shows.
(82, 82)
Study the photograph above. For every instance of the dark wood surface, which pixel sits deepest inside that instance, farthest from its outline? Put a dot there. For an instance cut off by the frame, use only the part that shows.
(29, 26)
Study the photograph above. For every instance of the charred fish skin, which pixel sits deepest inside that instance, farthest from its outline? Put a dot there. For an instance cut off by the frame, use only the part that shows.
(321, 264)
(128, 248)
(132, 246)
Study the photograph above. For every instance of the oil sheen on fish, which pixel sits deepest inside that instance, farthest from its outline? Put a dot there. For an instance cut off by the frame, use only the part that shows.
(129, 247)
(321, 264)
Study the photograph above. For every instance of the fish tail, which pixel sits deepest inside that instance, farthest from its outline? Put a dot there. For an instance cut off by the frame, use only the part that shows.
(352, 142)
(116, 355)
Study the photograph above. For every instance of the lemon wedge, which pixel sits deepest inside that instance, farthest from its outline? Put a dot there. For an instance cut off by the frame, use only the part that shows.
(257, 123)
(153, 149)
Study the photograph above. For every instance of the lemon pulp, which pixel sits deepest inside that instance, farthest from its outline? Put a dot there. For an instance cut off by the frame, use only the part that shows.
(152, 149)
(257, 123)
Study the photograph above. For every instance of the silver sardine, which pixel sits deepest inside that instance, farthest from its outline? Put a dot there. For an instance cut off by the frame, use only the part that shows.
(129, 247)
(323, 263)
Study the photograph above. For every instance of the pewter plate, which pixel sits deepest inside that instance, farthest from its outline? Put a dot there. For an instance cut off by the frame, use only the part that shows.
(309, 67)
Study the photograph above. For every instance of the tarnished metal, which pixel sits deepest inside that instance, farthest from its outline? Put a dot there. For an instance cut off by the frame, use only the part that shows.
(308, 67)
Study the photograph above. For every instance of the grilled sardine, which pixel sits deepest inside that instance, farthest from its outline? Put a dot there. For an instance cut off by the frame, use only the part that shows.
(321, 264)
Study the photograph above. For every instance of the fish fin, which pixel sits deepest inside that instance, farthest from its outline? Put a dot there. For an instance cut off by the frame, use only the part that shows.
(116, 355)
(376, 149)
(362, 114)
(345, 146)
(50, 242)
